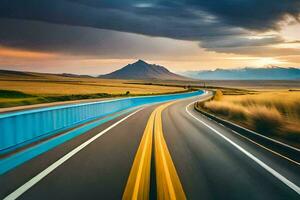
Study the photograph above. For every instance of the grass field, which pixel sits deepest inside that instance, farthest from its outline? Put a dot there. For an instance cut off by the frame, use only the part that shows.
(82, 87)
(32, 88)
(274, 113)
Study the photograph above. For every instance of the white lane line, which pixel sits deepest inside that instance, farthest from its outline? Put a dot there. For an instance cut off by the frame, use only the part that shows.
(259, 162)
(45, 172)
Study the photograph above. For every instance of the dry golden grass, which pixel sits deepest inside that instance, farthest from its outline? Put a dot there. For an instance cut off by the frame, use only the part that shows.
(64, 88)
(287, 103)
(272, 113)
(51, 84)
(41, 88)
(226, 109)
(265, 119)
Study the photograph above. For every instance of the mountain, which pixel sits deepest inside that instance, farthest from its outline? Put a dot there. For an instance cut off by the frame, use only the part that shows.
(141, 70)
(266, 73)
(23, 74)
(11, 73)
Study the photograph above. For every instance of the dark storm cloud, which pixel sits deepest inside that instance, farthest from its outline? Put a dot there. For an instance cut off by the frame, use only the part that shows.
(240, 41)
(82, 41)
(251, 14)
(156, 20)
(216, 23)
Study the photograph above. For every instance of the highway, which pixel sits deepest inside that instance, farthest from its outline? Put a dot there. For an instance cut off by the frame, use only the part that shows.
(161, 151)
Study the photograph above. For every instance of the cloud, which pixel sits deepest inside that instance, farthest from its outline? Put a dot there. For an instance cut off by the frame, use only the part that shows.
(251, 14)
(240, 41)
(218, 25)
(263, 51)
(177, 23)
(87, 42)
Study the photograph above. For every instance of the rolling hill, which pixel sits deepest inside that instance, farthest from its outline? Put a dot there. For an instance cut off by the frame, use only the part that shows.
(141, 70)
(37, 75)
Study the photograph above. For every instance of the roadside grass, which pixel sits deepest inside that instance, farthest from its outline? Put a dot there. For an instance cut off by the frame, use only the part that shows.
(274, 114)
(59, 87)
(13, 94)
(19, 90)
(37, 99)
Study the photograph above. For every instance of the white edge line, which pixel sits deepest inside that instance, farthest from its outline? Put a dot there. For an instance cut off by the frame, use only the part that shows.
(268, 138)
(260, 135)
(18, 192)
(255, 133)
(274, 152)
(259, 162)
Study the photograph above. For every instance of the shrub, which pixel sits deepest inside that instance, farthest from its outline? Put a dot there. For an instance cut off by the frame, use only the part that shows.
(273, 113)
(265, 120)
(218, 95)
(13, 94)
(217, 107)
(227, 109)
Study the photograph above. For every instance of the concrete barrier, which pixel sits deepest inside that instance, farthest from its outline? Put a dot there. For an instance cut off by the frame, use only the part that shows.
(24, 127)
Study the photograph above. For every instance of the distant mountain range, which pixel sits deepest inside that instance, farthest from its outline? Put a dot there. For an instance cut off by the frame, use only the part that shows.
(141, 70)
(267, 73)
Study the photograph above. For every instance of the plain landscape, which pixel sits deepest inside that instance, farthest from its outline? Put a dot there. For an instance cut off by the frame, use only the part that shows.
(31, 88)
(270, 107)
(150, 99)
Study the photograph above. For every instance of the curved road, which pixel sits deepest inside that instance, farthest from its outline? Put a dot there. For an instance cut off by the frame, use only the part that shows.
(211, 167)
(211, 161)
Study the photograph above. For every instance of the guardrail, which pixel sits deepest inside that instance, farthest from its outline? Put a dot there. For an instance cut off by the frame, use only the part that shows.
(24, 127)
(278, 146)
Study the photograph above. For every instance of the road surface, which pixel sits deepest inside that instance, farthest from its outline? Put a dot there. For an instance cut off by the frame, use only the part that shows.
(160, 151)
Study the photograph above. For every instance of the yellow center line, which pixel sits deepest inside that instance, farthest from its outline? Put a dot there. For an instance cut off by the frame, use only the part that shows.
(167, 180)
(138, 184)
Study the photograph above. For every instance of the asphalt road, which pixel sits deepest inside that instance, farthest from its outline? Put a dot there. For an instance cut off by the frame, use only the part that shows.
(210, 167)
(211, 161)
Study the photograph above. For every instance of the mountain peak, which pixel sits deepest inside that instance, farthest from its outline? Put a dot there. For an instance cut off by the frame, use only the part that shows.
(140, 62)
(142, 70)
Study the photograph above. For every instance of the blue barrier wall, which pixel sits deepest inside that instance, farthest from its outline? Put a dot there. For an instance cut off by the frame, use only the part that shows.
(20, 128)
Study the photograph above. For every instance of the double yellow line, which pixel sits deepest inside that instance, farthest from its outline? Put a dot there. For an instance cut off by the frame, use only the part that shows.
(167, 180)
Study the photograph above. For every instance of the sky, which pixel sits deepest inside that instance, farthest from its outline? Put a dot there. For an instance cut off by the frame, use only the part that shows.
(99, 36)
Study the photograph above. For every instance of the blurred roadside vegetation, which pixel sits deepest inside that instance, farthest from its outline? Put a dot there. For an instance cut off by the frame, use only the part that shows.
(275, 114)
